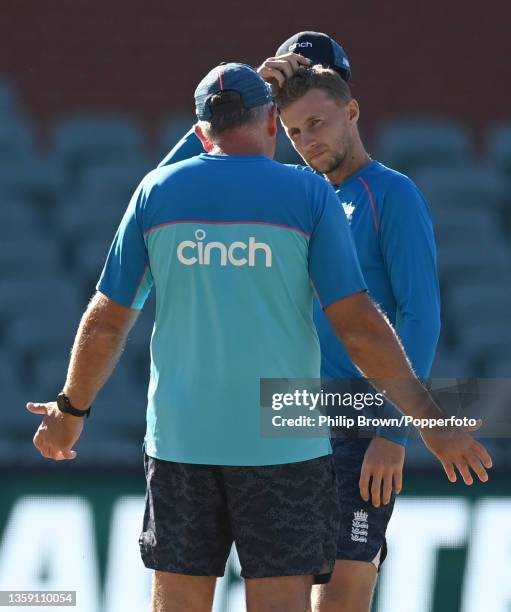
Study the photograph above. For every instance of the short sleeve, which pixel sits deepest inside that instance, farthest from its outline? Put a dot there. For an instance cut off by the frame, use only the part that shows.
(333, 263)
(126, 277)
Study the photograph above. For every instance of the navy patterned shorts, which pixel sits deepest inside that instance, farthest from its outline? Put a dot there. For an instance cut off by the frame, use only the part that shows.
(282, 518)
(362, 526)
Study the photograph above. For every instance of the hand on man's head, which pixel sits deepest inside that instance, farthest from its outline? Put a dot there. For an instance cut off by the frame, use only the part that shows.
(275, 70)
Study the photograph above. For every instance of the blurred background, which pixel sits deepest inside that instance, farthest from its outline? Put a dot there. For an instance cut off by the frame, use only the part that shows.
(92, 96)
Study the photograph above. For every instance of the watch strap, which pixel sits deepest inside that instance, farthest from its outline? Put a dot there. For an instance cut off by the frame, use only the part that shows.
(65, 405)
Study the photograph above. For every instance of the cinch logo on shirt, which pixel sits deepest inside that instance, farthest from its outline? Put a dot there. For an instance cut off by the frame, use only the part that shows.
(298, 44)
(237, 253)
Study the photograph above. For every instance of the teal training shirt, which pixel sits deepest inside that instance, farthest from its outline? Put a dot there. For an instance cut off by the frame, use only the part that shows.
(394, 238)
(235, 248)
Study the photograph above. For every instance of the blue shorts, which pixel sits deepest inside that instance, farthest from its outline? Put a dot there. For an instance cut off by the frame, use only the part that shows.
(362, 526)
(282, 518)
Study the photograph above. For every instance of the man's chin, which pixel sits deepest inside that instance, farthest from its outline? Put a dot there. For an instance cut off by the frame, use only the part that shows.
(326, 166)
(317, 165)
(322, 168)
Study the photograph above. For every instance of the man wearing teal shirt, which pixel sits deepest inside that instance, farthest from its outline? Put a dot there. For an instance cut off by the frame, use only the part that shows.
(235, 245)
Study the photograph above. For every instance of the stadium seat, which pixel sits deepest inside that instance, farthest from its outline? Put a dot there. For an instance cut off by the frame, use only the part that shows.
(498, 368)
(450, 364)
(9, 102)
(17, 140)
(86, 216)
(89, 258)
(486, 340)
(39, 180)
(115, 181)
(408, 145)
(466, 227)
(471, 187)
(18, 219)
(461, 262)
(480, 302)
(41, 299)
(172, 130)
(26, 256)
(32, 337)
(499, 147)
(49, 373)
(82, 139)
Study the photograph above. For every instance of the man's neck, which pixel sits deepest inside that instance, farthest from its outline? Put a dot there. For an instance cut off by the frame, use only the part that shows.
(354, 161)
(237, 145)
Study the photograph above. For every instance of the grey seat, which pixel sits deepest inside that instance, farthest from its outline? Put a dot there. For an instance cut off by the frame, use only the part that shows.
(466, 227)
(467, 262)
(18, 218)
(27, 256)
(115, 180)
(35, 337)
(9, 103)
(79, 140)
(40, 298)
(17, 422)
(39, 180)
(473, 186)
(48, 372)
(86, 216)
(450, 364)
(17, 139)
(488, 340)
(499, 146)
(498, 367)
(90, 256)
(410, 144)
(469, 304)
(173, 129)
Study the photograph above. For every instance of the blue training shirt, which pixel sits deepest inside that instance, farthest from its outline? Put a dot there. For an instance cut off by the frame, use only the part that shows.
(394, 239)
(234, 247)
(395, 243)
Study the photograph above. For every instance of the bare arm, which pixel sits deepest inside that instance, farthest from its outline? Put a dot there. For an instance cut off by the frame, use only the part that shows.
(98, 345)
(375, 349)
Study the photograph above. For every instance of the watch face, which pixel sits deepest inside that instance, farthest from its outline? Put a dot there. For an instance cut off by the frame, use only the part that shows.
(61, 402)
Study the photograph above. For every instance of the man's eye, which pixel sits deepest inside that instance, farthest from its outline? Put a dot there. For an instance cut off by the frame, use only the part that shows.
(315, 122)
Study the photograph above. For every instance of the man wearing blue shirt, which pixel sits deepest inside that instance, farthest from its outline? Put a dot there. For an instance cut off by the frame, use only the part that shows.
(235, 246)
(395, 244)
(394, 238)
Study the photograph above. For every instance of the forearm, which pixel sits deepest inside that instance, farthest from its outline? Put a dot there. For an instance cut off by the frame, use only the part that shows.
(419, 337)
(96, 350)
(375, 349)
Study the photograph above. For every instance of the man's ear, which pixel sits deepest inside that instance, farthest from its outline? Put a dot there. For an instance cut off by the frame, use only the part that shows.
(354, 110)
(207, 144)
(272, 121)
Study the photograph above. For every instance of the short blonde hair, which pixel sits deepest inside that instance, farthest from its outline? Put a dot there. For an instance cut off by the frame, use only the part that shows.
(313, 77)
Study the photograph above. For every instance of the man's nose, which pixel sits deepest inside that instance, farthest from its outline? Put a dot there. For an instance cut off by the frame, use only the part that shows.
(307, 141)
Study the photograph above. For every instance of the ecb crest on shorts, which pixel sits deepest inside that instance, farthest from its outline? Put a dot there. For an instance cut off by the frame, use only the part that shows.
(359, 526)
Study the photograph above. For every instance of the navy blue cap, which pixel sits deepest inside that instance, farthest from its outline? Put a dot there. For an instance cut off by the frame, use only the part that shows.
(252, 89)
(320, 49)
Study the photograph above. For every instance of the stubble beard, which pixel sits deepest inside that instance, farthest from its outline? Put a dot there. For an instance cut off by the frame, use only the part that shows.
(332, 165)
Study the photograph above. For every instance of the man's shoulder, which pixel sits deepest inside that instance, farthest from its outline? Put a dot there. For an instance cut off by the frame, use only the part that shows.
(386, 177)
(306, 175)
(389, 185)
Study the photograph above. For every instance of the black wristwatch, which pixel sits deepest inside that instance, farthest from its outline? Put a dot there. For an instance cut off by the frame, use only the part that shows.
(64, 405)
